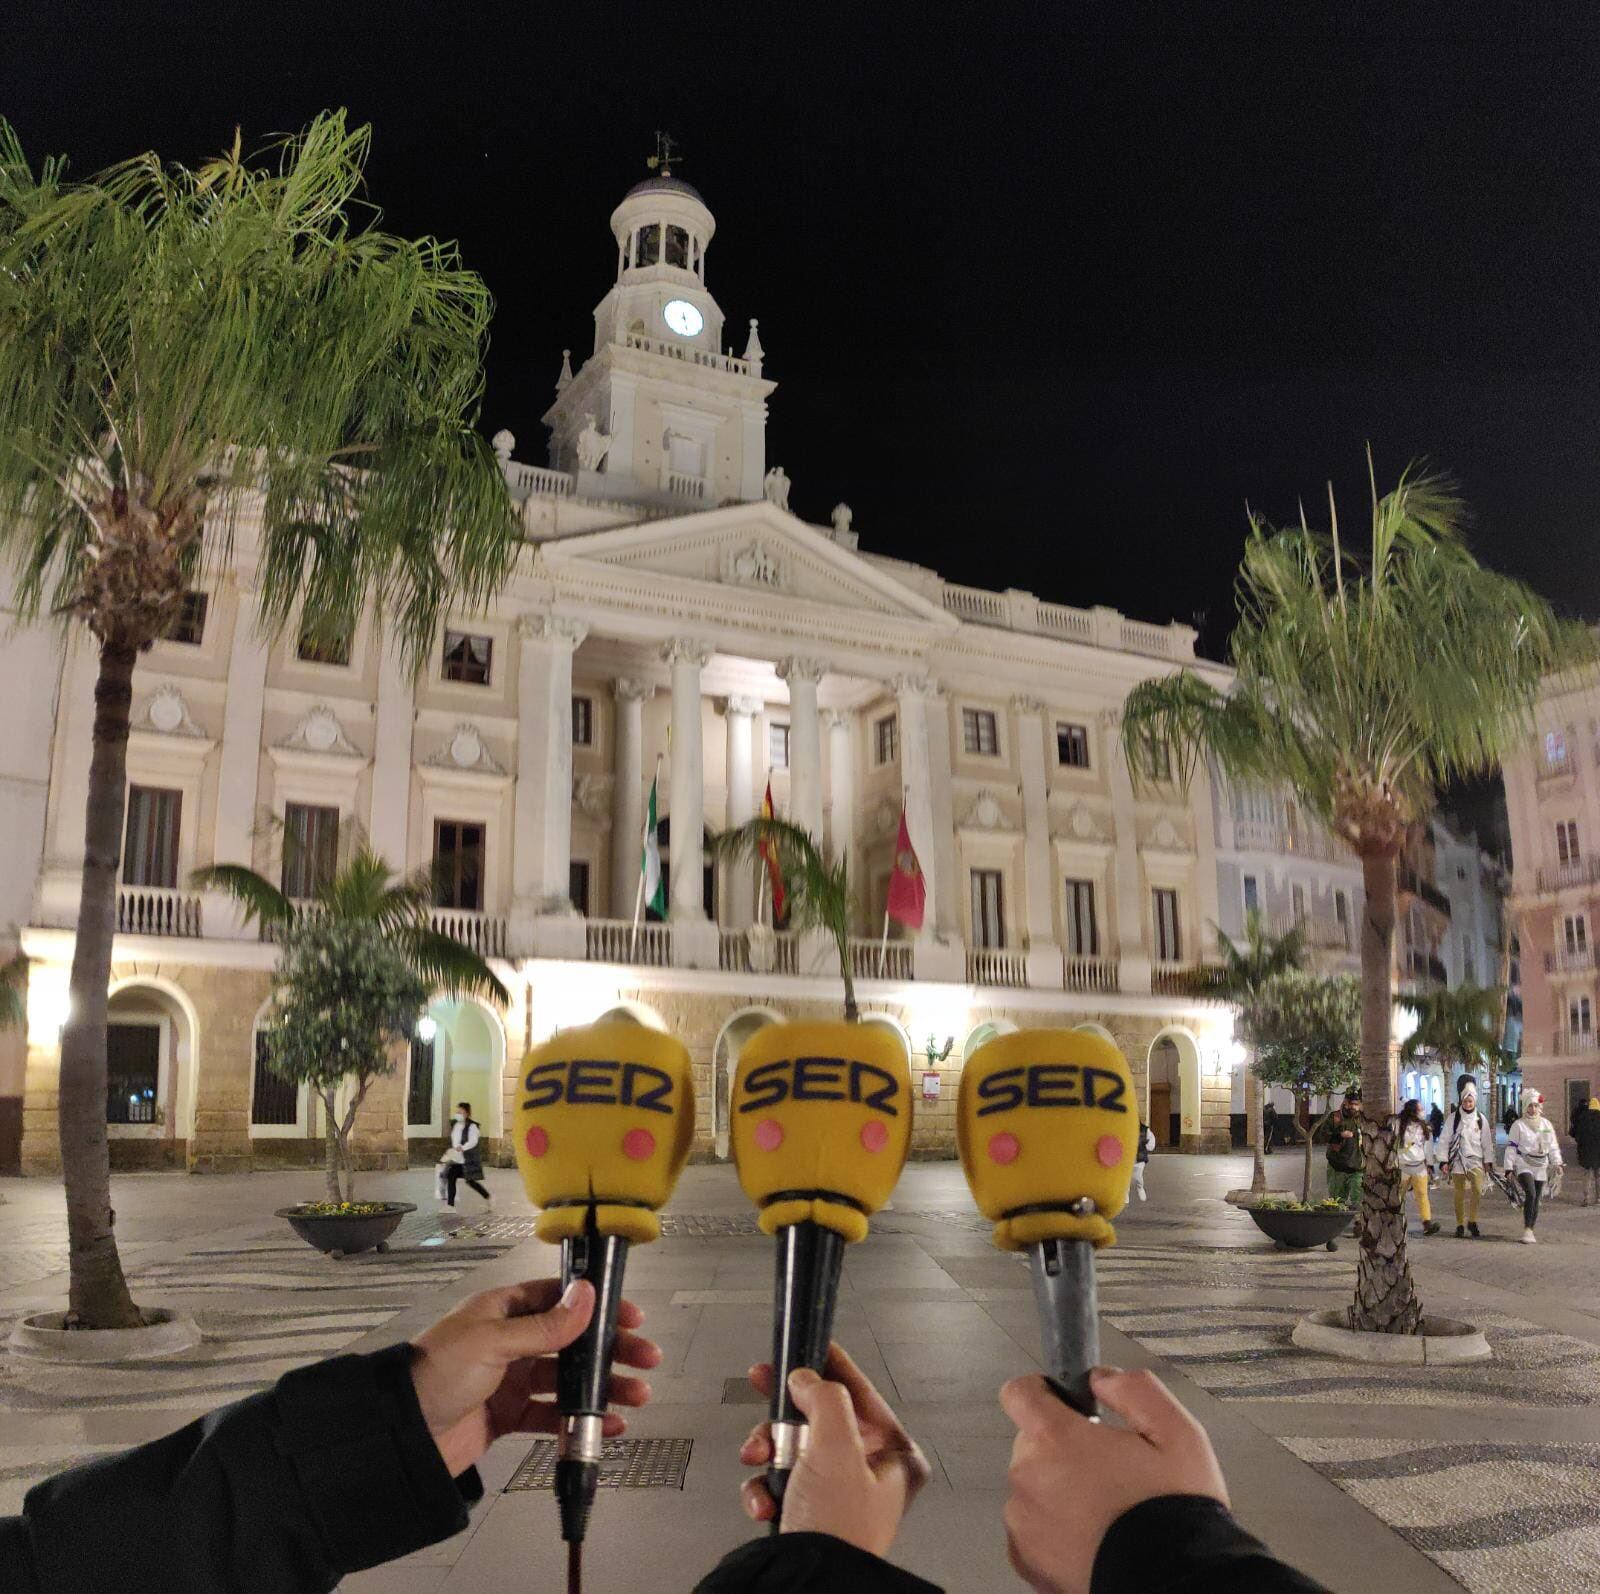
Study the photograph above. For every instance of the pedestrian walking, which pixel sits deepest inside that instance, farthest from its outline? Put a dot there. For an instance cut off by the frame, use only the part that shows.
(1141, 1155)
(1346, 1153)
(1269, 1128)
(1435, 1123)
(1416, 1154)
(1586, 1131)
(1465, 1147)
(1533, 1157)
(462, 1160)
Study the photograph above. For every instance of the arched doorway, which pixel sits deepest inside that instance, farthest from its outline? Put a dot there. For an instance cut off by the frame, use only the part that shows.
(725, 1059)
(982, 1034)
(889, 1022)
(151, 1060)
(458, 1053)
(1172, 1102)
(635, 1013)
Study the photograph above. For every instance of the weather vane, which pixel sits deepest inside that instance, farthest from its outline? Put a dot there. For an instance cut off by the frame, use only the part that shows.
(667, 151)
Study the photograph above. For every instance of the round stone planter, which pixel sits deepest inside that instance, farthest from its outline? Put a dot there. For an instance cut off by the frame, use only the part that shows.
(1439, 1342)
(1300, 1231)
(340, 1234)
(44, 1338)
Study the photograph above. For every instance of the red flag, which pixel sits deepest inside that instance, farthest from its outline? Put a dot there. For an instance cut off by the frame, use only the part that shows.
(908, 891)
(769, 855)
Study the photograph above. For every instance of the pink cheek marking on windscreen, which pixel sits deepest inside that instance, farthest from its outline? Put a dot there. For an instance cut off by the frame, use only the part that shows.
(768, 1134)
(1108, 1149)
(537, 1141)
(1004, 1149)
(638, 1144)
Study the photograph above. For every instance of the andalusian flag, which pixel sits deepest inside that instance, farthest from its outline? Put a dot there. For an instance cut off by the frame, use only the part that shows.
(655, 895)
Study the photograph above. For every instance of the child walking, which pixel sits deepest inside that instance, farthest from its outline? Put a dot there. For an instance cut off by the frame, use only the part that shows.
(1416, 1155)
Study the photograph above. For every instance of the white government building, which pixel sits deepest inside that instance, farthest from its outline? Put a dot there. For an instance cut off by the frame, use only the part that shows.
(665, 587)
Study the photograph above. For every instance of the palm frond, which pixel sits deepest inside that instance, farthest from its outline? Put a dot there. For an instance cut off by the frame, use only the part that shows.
(1462, 1024)
(13, 980)
(256, 894)
(448, 965)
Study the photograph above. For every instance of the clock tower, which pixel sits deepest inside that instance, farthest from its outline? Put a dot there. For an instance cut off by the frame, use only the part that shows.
(660, 412)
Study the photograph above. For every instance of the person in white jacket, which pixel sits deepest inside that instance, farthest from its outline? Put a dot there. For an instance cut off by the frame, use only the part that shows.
(1415, 1152)
(1465, 1148)
(1533, 1154)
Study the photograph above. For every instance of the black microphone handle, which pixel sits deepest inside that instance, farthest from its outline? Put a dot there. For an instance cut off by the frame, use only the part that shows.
(807, 1289)
(1069, 1318)
(583, 1373)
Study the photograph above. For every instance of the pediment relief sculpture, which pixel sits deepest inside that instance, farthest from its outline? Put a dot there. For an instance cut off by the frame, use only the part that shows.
(166, 711)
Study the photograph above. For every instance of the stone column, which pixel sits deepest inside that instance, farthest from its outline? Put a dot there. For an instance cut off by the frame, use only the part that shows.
(1208, 904)
(627, 794)
(694, 936)
(938, 956)
(805, 743)
(543, 922)
(841, 787)
(390, 825)
(739, 892)
(942, 803)
(1044, 966)
(239, 767)
(1133, 956)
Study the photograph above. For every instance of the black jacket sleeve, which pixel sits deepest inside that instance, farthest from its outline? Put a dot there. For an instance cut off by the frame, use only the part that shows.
(1188, 1544)
(330, 1471)
(799, 1563)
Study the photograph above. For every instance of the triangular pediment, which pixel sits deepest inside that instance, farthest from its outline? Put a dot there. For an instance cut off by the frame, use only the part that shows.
(757, 550)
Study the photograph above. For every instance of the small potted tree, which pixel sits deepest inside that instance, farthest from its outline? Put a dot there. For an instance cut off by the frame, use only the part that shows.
(359, 963)
(1305, 1030)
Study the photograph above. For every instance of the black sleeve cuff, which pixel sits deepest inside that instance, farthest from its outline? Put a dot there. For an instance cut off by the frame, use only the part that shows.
(1189, 1544)
(797, 1563)
(368, 1468)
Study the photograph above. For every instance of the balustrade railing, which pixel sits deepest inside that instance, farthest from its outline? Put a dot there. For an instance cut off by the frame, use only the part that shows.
(1579, 872)
(682, 485)
(873, 959)
(616, 941)
(992, 965)
(1015, 610)
(1091, 974)
(158, 910)
(689, 354)
(539, 481)
(484, 934)
(1174, 979)
(974, 603)
(1056, 619)
(1573, 1043)
(1570, 960)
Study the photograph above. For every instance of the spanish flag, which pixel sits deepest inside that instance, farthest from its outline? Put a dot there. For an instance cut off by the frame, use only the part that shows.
(769, 856)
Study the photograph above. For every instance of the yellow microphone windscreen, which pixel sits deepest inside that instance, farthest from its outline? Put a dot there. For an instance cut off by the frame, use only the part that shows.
(821, 1123)
(1047, 1125)
(605, 1115)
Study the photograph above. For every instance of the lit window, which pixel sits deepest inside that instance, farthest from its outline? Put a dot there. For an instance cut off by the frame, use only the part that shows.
(1072, 746)
(1164, 906)
(979, 732)
(467, 657)
(777, 746)
(583, 722)
(886, 739)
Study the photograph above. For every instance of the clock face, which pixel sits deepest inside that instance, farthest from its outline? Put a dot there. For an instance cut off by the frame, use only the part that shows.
(683, 318)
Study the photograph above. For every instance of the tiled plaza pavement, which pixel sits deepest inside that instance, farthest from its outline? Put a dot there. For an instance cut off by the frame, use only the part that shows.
(1482, 1477)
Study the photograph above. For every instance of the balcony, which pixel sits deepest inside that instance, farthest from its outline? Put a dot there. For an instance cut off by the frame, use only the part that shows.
(158, 910)
(1577, 872)
(1573, 1043)
(1573, 960)
(1557, 767)
(1316, 935)
(872, 959)
(1091, 974)
(1174, 979)
(996, 965)
(484, 934)
(688, 354)
(534, 481)
(682, 485)
(1409, 881)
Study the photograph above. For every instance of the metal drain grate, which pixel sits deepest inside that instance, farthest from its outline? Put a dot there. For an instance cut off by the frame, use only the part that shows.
(624, 1464)
(708, 1225)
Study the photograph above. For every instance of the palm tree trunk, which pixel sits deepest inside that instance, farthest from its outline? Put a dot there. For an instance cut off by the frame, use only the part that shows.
(851, 1011)
(1252, 1118)
(97, 1292)
(330, 1132)
(1386, 1297)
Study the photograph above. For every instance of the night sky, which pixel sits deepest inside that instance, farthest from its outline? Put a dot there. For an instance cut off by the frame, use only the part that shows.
(1050, 291)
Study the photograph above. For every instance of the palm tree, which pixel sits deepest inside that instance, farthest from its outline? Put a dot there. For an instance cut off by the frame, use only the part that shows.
(820, 897)
(1364, 685)
(1459, 1026)
(1245, 968)
(13, 992)
(185, 353)
(365, 892)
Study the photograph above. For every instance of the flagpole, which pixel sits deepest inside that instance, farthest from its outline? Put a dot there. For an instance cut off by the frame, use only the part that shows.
(644, 835)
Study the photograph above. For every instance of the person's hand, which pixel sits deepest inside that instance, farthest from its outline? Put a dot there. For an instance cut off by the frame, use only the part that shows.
(480, 1370)
(1071, 1478)
(859, 1470)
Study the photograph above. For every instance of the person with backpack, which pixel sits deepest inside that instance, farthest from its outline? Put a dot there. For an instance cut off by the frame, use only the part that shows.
(1467, 1146)
(1586, 1131)
(1415, 1153)
(1346, 1152)
(1144, 1146)
(1533, 1156)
